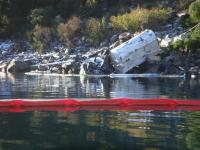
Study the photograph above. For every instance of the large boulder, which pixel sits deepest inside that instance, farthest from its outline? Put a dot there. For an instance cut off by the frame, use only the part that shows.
(71, 67)
(16, 66)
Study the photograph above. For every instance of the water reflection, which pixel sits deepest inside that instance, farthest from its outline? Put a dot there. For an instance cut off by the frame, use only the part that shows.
(147, 130)
(100, 130)
(22, 86)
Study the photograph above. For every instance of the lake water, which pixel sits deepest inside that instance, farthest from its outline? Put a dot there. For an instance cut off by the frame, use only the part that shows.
(102, 130)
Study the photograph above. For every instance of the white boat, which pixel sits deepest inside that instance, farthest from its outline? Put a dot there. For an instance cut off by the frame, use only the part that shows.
(134, 51)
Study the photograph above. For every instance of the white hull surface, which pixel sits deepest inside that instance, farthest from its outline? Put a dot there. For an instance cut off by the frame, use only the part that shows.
(134, 51)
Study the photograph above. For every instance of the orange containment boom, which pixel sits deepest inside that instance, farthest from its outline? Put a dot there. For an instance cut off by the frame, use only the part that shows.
(95, 105)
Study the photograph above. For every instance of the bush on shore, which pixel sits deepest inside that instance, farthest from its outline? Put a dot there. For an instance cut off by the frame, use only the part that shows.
(67, 31)
(192, 43)
(95, 31)
(40, 38)
(140, 18)
(42, 16)
(194, 11)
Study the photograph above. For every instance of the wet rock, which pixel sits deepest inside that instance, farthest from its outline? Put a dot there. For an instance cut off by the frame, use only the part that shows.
(92, 66)
(66, 67)
(114, 45)
(55, 70)
(75, 68)
(107, 67)
(4, 52)
(67, 51)
(57, 55)
(114, 38)
(40, 68)
(71, 67)
(6, 45)
(104, 43)
(173, 64)
(50, 60)
(45, 61)
(182, 14)
(124, 37)
(16, 66)
(166, 42)
(194, 72)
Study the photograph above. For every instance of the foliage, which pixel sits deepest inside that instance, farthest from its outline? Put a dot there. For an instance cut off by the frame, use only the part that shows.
(66, 31)
(178, 45)
(140, 18)
(95, 30)
(191, 44)
(194, 11)
(42, 16)
(195, 34)
(41, 38)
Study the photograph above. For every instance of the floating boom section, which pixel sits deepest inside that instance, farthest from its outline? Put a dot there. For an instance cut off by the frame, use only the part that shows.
(98, 105)
(134, 51)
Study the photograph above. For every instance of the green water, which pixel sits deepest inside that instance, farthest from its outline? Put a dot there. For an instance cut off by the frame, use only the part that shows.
(102, 130)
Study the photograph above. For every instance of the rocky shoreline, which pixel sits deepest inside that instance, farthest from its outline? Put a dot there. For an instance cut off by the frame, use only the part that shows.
(64, 60)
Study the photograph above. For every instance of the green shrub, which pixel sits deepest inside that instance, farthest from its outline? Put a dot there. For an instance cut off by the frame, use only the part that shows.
(40, 38)
(194, 38)
(195, 34)
(178, 45)
(42, 16)
(190, 44)
(67, 31)
(140, 18)
(194, 11)
(95, 31)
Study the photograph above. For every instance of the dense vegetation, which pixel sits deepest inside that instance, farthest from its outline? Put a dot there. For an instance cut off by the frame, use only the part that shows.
(192, 42)
(44, 21)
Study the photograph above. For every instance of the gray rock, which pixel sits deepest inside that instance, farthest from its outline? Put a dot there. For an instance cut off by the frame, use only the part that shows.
(124, 36)
(104, 43)
(42, 68)
(114, 45)
(114, 38)
(55, 70)
(45, 61)
(67, 51)
(18, 66)
(57, 55)
(166, 42)
(71, 67)
(182, 14)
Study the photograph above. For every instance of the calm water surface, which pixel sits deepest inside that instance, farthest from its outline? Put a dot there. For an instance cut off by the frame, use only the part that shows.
(102, 130)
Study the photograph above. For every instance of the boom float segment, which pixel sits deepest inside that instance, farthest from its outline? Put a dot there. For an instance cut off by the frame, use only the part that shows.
(107, 104)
